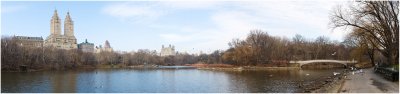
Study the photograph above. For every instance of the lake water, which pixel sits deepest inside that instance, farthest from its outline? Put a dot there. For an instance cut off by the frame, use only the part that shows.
(159, 80)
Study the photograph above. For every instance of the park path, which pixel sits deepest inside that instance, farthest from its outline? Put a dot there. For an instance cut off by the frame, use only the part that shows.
(368, 82)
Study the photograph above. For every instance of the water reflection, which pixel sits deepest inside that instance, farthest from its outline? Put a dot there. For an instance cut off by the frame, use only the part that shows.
(30, 82)
(160, 80)
(264, 81)
(63, 82)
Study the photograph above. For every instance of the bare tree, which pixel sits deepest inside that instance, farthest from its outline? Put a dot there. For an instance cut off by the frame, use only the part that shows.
(377, 20)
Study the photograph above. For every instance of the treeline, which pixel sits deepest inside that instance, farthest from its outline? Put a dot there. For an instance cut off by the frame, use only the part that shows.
(145, 56)
(13, 56)
(261, 48)
(258, 49)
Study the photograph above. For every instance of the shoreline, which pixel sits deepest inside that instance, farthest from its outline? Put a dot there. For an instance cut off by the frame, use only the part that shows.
(200, 66)
(247, 68)
(332, 85)
(225, 67)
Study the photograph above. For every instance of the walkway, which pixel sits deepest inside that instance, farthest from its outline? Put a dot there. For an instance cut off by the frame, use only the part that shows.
(368, 82)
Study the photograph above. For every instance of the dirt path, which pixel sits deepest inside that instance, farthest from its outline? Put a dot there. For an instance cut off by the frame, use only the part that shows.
(368, 82)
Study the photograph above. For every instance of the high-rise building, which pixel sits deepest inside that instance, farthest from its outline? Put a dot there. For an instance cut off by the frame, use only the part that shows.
(167, 51)
(107, 47)
(86, 46)
(29, 41)
(58, 40)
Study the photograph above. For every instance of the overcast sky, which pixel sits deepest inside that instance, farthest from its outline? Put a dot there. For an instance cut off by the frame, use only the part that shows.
(190, 26)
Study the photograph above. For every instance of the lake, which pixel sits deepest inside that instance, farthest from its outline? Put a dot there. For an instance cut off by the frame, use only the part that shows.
(169, 80)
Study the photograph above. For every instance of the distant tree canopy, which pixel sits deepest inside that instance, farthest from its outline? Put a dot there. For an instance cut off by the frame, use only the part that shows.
(13, 56)
(375, 26)
(260, 48)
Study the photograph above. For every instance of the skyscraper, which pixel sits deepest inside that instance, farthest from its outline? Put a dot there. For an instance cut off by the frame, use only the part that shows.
(58, 40)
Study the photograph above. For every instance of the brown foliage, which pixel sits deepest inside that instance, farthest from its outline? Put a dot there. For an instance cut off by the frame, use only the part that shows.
(376, 22)
(259, 48)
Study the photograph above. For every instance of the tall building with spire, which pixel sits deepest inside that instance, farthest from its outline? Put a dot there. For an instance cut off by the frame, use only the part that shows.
(68, 26)
(106, 48)
(58, 40)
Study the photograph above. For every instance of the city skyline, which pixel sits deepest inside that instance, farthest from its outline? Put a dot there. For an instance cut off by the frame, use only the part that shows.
(190, 26)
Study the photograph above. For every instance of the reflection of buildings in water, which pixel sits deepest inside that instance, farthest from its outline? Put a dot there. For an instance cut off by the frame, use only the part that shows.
(168, 79)
(98, 80)
(101, 80)
(64, 81)
(108, 81)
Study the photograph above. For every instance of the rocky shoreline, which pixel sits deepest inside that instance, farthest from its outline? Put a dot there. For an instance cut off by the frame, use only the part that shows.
(332, 84)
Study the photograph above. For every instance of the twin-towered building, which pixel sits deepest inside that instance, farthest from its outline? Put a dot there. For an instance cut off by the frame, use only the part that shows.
(68, 41)
(56, 39)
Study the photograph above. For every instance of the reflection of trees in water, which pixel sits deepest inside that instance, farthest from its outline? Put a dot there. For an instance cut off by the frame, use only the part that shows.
(322, 65)
(272, 80)
(264, 81)
(64, 81)
(165, 80)
(168, 79)
(24, 82)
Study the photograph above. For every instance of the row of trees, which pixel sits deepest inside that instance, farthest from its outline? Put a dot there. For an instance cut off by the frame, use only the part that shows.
(257, 49)
(145, 56)
(261, 48)
(375, 35)
(13, 56)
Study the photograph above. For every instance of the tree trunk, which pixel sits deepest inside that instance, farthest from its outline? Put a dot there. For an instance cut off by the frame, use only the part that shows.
(371, 54)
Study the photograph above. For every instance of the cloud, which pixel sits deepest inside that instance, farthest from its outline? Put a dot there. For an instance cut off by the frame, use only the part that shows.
(236, 19)
(147, 12)
(310, 18)
(228, 25)
(12, 8)
(129, 11)
(190, 4)
(174, 38)
(232, 20)
(234, 24)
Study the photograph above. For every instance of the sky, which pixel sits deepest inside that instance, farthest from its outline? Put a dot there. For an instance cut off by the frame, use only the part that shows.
(191, 26)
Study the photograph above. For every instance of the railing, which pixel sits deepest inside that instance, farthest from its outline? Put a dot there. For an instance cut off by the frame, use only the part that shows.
(388, 73)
